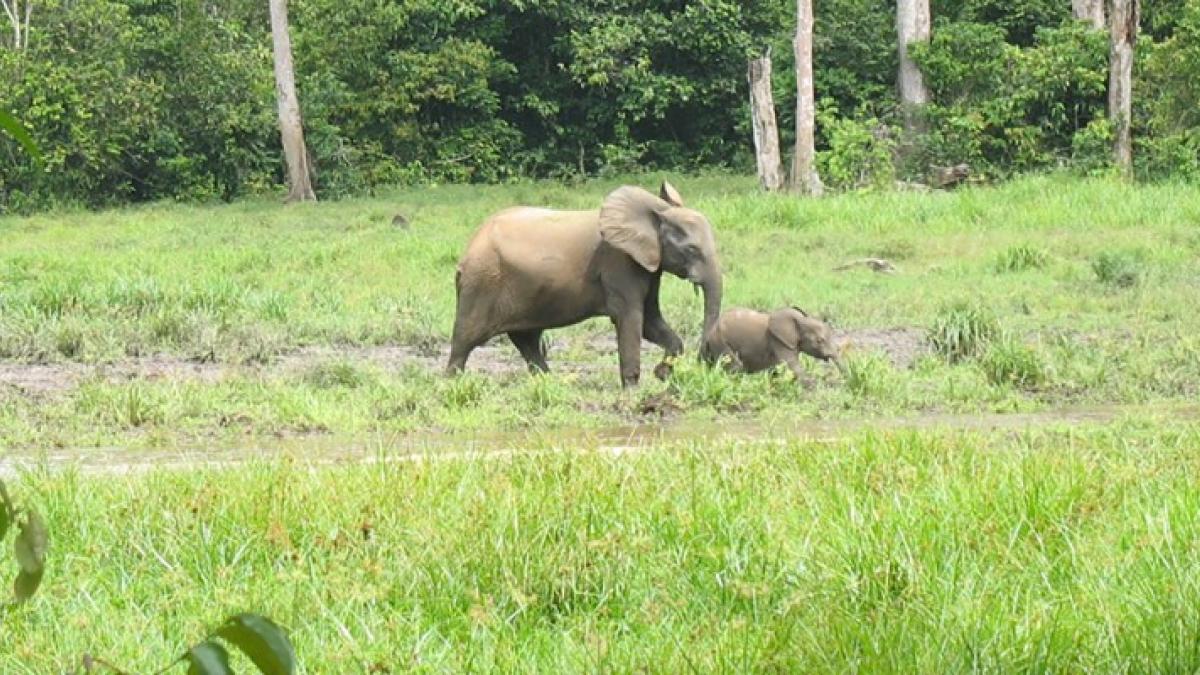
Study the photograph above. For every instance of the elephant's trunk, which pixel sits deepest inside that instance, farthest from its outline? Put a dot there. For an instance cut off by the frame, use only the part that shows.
(841, 366)
(712, 302)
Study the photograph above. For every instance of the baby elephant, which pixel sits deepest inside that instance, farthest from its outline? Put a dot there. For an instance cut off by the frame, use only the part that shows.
(755, 341)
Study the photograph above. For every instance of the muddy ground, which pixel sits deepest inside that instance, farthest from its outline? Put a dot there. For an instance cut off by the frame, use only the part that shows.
(899, 345)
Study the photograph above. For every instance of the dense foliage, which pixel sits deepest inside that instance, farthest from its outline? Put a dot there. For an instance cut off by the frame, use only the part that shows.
(134, 100)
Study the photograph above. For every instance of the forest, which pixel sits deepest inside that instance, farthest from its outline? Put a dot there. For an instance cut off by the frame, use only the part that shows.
(137, 100)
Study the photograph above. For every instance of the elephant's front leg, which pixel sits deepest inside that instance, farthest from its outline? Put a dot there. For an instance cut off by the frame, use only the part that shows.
(629, 347)
(657, 330)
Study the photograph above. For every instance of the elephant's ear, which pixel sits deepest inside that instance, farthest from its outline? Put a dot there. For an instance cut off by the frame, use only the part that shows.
(670, 195)
(782, 325)
(802, 312)
(629, 221)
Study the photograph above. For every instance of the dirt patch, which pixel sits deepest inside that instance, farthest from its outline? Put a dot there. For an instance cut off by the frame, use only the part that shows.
(901, 346)
(39, 380)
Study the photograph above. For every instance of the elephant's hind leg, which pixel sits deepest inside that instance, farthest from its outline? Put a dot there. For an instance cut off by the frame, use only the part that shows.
(462, 343)
(529, 343)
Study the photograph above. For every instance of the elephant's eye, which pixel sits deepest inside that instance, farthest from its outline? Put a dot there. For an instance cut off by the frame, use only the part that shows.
(692, 250)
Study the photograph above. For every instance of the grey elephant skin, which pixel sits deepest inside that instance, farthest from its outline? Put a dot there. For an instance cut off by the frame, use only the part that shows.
(753, 341)
(527, 270)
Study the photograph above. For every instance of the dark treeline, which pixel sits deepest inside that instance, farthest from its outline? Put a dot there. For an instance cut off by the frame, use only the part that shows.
(135, 100)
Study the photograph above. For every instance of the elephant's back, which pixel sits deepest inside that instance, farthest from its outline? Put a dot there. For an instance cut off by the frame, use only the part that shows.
(542, 240)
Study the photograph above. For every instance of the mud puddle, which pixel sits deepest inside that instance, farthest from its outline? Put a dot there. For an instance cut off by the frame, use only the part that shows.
(901, 346)
(323, 451)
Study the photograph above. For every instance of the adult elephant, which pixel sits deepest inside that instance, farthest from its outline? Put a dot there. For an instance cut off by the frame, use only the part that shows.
(530, 269)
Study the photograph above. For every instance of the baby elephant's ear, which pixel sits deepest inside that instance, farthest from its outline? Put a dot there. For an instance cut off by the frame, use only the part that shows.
(670, 195)
(629, 221)
(802, 312)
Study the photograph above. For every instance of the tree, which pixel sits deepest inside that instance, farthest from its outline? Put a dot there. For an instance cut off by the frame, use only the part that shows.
(1091, 11)
(18, 18)
(762, 119)
(804, 166)
(912, 25)
(1123, 27)
(290, 127)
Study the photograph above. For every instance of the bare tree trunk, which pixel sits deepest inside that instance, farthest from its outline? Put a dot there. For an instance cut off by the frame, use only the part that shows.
(1091, 11)
(762, 119)
(290, 128)
(1123, 26)
(804, 165)
(12, 8)
(912, 25)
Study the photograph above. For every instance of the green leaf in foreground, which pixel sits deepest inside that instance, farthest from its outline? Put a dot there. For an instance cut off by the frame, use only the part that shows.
(31, 543)
(208, 658)
(20, 134)
(30, 550)
(7, 512)
(264, 642)
(26, 584)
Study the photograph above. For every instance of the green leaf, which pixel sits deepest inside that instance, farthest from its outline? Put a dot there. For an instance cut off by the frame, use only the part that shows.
(208, 658)
(20, 134)
(30, 544)
(26, 584)
(264, 642)
(6, 511)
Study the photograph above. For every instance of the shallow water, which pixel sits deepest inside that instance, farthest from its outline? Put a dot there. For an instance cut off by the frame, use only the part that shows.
(317, 451)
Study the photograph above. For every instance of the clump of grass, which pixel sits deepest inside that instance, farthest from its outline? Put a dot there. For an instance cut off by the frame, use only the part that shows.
(464, 391)
(896, 249)
(1020, 258)
(963, 330)
(1008, 361)
(1119, 269)
(869, 375)
(542, 392)
(334, 374)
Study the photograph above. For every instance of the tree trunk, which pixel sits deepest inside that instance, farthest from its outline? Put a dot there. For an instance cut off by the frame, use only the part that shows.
(290, 128)
(762, 118)
(1123, 26)
(804, 165)
(912, 25)
(1091, 11)
(12, 8)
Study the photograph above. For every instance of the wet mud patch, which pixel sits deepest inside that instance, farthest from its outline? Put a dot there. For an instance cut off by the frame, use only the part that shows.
(902, 346)
(585, 354)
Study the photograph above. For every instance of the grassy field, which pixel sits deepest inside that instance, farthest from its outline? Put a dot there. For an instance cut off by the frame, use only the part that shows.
(1060, 550)
(169, 322)
(1052, 546)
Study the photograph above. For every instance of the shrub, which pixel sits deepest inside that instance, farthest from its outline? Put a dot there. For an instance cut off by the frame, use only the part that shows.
(1119, 269)
(963, 330)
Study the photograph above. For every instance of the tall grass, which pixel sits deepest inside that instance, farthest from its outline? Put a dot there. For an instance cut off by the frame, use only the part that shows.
(908, 552)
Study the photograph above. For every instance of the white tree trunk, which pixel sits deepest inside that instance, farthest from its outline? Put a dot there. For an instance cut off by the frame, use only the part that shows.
(290, 127)
(912, 26)
(1123, 26)
(804, 164)
(20, 28)
(1091, 11)
(762, 119)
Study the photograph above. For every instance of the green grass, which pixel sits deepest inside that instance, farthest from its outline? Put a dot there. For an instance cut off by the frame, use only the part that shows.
(1099, 275)
(1054, 550)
